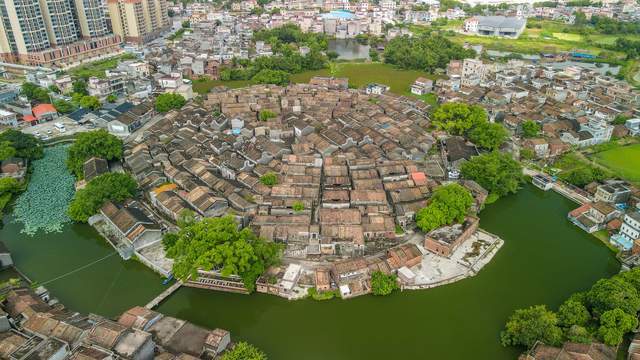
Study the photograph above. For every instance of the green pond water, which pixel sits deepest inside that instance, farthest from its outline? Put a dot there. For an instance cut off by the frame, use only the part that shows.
(544, 260)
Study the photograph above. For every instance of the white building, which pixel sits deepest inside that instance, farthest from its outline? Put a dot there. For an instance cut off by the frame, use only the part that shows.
(8, 118)
(631, 226)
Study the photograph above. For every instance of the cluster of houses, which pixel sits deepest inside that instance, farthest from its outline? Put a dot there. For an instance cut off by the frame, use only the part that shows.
(351, 173)
(575, 106)
(615, 207)
(34, 326)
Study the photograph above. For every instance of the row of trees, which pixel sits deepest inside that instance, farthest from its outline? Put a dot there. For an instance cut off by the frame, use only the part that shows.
(470, 121)
(216, 243)
(449, 204)
(426, 52)
(606, 312)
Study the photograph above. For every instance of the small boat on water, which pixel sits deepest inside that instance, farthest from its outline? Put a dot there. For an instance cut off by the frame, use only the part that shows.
(167, 280)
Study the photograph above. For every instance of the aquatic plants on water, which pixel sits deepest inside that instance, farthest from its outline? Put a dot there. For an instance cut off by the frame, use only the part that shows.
(43, 207)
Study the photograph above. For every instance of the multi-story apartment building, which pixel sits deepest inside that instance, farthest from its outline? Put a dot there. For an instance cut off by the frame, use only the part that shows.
(91, 18)
(53, 32)
(138, 21)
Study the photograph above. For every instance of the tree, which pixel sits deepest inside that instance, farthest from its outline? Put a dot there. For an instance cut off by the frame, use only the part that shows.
(526, 326)
(527, 154)
(620, 120)
(27, 146)
(578, 334)
(54, 89)
(63, 106)
(458, 118)
(80, 87)
(449, 203)
(216, 243)
(614, 324)
(244, 351)
(265, 115)
(268, 76)
(332, 55)
(488, 135)
(106, 187)
(426, 52)
(8, 185)
(269, 179)
(169, 101)
(6, 150)
(382, 284)
(497, 172)
(90, 102)
(35, 93)
(186, 24)
(89, 144)
(530, 128)
(298, 206)
(614, 293)
(111, 98)
(573, 312)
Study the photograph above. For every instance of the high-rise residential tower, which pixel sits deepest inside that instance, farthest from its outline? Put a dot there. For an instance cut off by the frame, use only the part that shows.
(54, 32)
(138, 21)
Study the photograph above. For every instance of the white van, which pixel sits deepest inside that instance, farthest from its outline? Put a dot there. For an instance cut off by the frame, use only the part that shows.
(60, 127)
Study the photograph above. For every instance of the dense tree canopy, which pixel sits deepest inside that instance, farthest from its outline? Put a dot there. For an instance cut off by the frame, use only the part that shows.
(530, 128)
(35, 93)
(526, 326)
(267, 76)
(244, 351)
(458, 118)
(426, 52)
(488, 135)
(6, 150)
(605, 313)
(449, 203)
(573, 312)
(90, 102)
(497, 172)
(80, 87)
(106, 187)
(383, 284)
(97, 143)
(614, 324)
(609, 294)
(216, 243)
(26, 146)
(169, 101)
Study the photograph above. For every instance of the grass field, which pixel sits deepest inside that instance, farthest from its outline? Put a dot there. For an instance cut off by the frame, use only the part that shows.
(359, 74)
(624, 161)
(97, 68)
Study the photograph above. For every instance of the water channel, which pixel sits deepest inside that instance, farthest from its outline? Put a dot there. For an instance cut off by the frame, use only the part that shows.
(544, 259)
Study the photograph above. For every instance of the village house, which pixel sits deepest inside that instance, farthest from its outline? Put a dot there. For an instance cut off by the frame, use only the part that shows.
(445, 240)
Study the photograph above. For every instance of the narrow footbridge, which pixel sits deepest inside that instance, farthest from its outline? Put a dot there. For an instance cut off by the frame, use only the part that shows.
(163, 295)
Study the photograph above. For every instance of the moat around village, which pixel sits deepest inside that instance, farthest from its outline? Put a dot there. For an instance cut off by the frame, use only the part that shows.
(544, 259)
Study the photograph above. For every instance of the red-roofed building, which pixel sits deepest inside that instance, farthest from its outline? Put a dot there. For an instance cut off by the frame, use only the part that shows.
(45, 112)
(30, 119)
(419, 178)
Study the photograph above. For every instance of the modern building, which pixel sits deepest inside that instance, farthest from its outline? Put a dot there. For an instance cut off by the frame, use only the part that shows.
(54, 32)
(634, 126)
(138, 21)
(630, 228)
(614, 193)
(501, 26)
